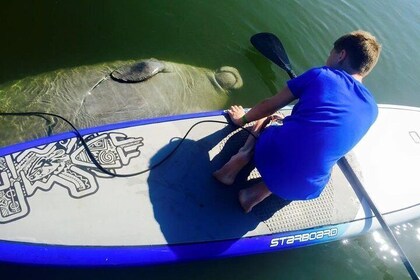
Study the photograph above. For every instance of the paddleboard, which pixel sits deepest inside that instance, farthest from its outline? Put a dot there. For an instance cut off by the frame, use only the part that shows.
(58, 208)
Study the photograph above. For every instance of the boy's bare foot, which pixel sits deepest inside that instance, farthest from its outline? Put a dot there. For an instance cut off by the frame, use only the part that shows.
(223, 178)
(250, 197)
(227, 174)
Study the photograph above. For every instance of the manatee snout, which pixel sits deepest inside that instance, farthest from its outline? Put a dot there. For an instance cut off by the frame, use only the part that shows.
(228, 77)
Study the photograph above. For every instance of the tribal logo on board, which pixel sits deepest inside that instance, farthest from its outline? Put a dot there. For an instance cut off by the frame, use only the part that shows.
(64, 163)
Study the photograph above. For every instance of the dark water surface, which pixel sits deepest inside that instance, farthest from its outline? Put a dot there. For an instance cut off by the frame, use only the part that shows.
(42, 36)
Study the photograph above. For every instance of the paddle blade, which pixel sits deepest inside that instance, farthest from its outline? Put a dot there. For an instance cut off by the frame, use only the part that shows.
(270, 46)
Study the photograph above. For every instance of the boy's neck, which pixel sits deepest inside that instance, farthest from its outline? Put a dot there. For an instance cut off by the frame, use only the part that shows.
(345, 66)
(357, 77)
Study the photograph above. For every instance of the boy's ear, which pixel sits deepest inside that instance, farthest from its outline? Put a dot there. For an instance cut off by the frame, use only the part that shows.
(342, 55)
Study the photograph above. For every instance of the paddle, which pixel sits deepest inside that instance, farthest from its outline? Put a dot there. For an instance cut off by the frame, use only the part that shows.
(270, 46)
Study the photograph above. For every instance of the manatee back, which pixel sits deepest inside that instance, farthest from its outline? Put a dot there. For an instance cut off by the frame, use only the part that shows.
(138, 71)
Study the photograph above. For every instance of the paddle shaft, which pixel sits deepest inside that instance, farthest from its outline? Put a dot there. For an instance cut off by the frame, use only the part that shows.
(271, 47)
(358, 186)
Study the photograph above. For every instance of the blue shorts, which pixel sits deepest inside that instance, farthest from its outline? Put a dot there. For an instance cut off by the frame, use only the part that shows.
(287, 169)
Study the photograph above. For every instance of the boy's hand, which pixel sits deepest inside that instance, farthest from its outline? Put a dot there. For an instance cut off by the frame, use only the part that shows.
(235, 113)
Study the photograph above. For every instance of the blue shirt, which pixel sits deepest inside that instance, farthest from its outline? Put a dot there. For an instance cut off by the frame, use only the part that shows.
(333, 113)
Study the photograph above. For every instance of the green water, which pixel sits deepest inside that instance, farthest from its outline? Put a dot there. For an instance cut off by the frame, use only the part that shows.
(41, 36)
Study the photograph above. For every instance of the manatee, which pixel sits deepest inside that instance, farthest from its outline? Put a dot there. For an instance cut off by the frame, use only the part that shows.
(111, 92)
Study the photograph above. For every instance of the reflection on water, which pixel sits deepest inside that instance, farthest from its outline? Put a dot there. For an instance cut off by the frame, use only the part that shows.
(380, 254)
(387, 251)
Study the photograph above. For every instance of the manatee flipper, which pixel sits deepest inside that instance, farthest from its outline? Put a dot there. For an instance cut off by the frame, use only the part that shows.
(138, 72)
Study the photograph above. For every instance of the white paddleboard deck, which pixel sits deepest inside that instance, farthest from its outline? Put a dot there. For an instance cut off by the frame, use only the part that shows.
(56, 207)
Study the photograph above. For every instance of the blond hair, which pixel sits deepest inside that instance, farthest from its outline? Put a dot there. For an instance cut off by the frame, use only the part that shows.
(362, 48)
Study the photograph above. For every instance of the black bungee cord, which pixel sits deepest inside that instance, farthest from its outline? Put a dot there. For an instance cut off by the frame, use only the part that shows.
(92, 157)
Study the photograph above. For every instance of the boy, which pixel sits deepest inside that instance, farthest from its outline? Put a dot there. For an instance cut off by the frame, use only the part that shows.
(334, 111)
